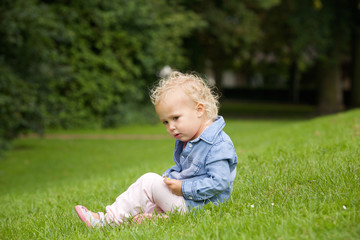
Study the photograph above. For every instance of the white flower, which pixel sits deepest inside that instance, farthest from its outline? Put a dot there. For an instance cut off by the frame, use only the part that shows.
(344, 207)
(272, 204)
(252, 206)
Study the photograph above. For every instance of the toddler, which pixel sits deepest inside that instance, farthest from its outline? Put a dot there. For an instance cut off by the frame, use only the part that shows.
(204, 156)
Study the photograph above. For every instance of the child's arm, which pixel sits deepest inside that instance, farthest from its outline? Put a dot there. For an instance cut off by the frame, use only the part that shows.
(168, 171)
(220, 167)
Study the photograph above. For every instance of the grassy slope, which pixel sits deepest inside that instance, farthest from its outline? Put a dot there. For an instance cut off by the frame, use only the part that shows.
(294, 181)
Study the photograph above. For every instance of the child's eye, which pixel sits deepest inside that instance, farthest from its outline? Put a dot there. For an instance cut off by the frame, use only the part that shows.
(165, 122)
(175, 118)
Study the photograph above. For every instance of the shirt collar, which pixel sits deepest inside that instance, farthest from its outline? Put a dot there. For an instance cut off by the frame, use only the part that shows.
(210, 133)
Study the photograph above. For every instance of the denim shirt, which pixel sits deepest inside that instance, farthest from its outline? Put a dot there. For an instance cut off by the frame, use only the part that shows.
(206, 166)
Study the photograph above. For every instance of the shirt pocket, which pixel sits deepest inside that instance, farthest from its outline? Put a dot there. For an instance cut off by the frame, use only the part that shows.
(192, 168)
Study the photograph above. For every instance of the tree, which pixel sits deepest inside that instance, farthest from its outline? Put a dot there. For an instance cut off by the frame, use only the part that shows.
(19, 112)
(312, 33)
(355, 50)
(84, 63)
(21, 52)
(87, 59)
(335, 19)
(114, 49)
(227, 39)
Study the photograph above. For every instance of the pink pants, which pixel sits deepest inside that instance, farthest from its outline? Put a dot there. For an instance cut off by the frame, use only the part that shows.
(147, 194)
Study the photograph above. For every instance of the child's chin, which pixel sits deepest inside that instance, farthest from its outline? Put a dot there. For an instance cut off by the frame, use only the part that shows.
(181, 138)
(184, 139)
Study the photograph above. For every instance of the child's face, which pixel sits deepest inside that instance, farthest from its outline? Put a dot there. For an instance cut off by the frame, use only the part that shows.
(183, 118)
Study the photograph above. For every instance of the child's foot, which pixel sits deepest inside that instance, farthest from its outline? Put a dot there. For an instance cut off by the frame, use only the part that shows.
(87, 217)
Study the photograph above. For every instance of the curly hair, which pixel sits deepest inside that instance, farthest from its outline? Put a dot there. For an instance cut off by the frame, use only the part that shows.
(194, 86)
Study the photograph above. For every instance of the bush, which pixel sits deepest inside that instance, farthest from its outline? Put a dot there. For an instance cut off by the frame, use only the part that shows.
(84, 63)
(19, 110)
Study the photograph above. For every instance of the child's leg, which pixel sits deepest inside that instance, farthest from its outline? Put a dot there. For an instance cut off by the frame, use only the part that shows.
(141, 197)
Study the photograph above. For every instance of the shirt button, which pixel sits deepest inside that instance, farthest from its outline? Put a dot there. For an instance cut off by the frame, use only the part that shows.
(190, 145)
(190, 197)
(182, 156)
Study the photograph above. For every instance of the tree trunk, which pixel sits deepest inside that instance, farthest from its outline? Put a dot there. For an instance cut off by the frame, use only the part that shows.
(294, 84)
(330, 98)
(355, 81)
(218, 78)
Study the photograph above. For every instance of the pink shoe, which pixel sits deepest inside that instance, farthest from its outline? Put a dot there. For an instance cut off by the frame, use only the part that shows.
(87, 217)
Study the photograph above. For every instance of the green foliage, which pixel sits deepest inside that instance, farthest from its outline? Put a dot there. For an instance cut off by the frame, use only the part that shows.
(89, 63)
(307, 32)
(267, 3)
(85, 63)
(113, 50)
(324, 27)
(232, 27)
(19, 111)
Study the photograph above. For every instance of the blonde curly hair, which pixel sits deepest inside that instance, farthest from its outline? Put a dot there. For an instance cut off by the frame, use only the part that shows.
(194, 86)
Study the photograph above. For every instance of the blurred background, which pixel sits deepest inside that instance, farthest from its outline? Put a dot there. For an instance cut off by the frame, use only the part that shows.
(67, 64)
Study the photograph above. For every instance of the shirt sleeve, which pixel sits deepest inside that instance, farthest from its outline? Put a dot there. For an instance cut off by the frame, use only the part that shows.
(217, 165)
(168, 171)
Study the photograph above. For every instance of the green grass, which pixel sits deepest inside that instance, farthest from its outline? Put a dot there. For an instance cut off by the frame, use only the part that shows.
(299, 176)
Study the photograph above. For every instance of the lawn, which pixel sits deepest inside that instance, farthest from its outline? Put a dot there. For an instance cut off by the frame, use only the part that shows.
(296, 179)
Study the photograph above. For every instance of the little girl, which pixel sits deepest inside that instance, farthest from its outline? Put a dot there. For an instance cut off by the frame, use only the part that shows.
(204, 156)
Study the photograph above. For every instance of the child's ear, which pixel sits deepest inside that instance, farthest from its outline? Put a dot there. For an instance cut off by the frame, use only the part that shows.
(200, 109)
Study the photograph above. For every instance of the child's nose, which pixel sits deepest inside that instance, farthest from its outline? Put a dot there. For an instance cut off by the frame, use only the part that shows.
(172, 126)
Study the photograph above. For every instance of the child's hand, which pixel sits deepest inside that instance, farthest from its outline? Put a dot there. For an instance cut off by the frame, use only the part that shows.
(174, 185)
